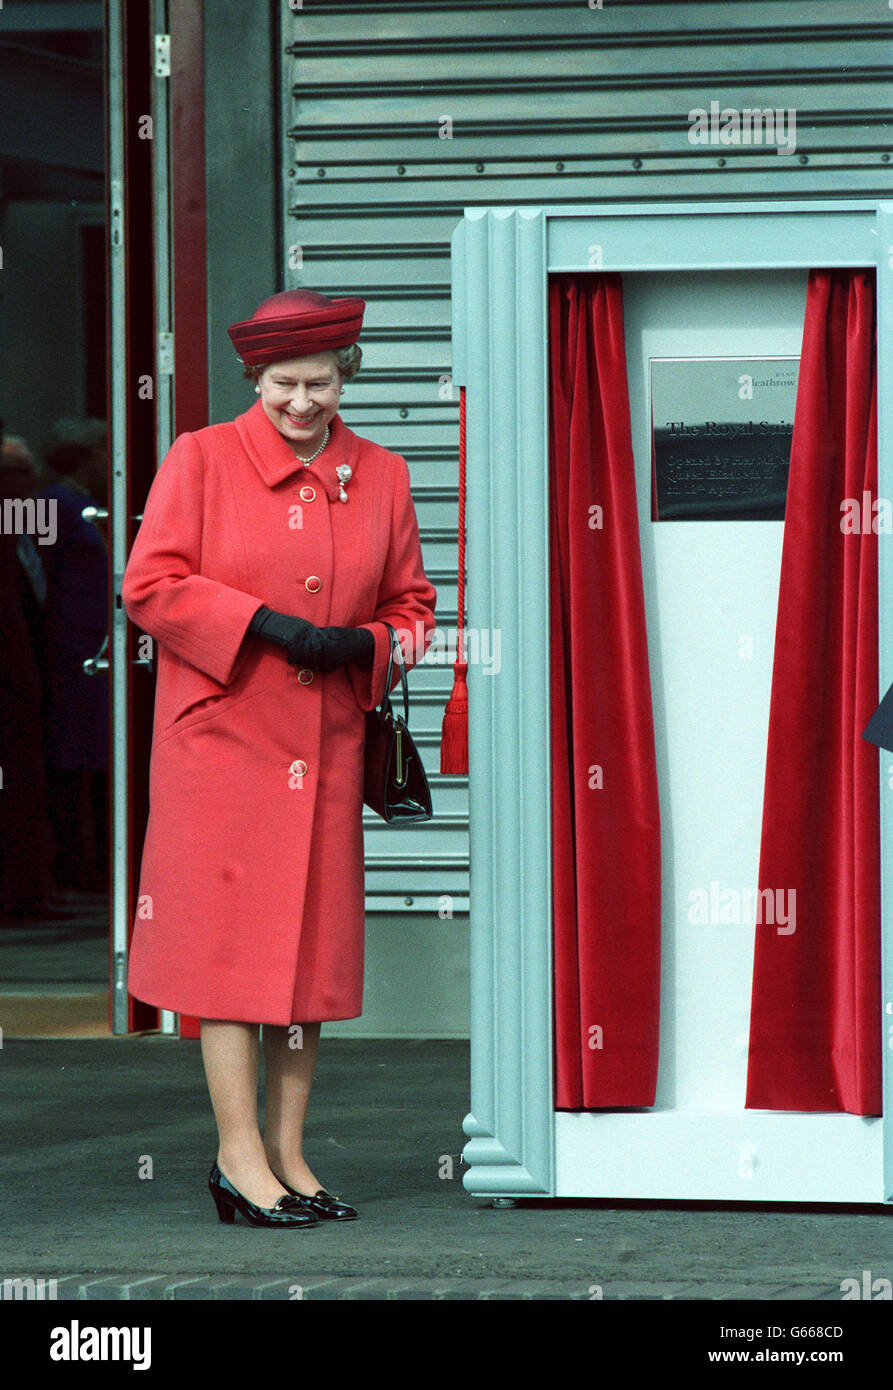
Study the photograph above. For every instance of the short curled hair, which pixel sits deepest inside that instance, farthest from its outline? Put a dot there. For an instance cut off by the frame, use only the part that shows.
(348, 359)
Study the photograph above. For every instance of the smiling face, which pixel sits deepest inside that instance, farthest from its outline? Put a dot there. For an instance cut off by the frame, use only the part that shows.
(300, 397)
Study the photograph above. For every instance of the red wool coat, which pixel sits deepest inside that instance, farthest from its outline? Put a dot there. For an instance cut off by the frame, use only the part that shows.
(252, 885)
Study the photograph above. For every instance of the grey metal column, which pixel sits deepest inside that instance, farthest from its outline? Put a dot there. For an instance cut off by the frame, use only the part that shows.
(163, 384)
(120, 824)
(161, 214)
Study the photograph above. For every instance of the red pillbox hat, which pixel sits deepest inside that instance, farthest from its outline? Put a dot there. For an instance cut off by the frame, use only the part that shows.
(296, 323)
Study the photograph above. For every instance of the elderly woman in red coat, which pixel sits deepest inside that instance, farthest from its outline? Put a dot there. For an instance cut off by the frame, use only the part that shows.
(273, 550)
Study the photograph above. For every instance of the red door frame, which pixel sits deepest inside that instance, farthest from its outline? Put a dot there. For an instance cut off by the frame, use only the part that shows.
(139, 338)
(189, 312)
(189, 277)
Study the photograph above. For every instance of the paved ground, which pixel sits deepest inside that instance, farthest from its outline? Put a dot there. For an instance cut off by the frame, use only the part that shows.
(81, 1116)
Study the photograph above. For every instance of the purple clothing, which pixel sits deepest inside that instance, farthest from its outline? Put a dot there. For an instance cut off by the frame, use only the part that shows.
(77, 705)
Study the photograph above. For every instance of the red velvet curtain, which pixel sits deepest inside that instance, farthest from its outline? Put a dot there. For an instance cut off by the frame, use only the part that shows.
(605, 815)
(815, 1033)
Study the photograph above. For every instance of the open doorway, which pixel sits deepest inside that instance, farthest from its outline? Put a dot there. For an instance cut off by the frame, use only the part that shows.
(54, 567)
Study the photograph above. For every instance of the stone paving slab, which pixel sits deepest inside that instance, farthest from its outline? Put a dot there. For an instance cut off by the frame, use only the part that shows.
(808, 1292)
(361, 1287)
(84, 1287)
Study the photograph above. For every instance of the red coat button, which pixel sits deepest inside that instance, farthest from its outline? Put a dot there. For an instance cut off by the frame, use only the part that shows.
(313, 583)
(298, 767)
(308, 494)
(305, 675)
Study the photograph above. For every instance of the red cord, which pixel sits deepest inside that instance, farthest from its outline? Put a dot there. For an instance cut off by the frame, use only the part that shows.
(460, 607)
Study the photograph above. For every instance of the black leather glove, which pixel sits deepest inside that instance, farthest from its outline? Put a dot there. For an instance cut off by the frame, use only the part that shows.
(344, 646)
(302, 640)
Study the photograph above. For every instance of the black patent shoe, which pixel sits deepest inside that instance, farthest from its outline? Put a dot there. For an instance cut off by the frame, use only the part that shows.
(323, 1204)
(286, 1212)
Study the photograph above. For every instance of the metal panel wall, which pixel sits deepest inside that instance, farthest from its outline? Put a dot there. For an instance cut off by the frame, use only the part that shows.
(397, 116)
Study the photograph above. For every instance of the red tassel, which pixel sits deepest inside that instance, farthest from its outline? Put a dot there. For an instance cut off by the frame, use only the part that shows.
(454, 735)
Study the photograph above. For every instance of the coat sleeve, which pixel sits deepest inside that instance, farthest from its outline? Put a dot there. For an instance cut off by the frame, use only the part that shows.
(197, 618)
(405, 599)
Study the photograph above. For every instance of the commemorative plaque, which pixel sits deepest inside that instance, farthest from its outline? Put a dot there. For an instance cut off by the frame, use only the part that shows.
(721, 432)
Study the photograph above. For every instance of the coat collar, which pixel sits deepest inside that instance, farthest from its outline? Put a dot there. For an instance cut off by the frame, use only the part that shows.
(275, 460)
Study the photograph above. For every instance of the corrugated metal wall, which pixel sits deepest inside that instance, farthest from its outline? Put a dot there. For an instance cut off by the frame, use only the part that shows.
(549, 102)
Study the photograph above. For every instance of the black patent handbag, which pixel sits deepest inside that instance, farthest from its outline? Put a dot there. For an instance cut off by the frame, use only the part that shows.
(395, 786)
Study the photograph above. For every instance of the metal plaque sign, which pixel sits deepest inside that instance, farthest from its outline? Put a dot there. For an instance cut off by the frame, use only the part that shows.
(721, 432)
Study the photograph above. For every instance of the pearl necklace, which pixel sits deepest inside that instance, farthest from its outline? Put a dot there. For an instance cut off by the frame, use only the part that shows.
(342, 472)
(307, 462)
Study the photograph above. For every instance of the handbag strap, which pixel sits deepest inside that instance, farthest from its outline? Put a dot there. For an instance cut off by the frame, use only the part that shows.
(386, 699)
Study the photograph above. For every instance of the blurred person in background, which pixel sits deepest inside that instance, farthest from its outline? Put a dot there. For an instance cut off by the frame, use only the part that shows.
(76, 721)
(25, 839)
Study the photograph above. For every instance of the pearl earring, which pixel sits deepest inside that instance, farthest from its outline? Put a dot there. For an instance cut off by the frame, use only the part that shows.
(257, 390)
